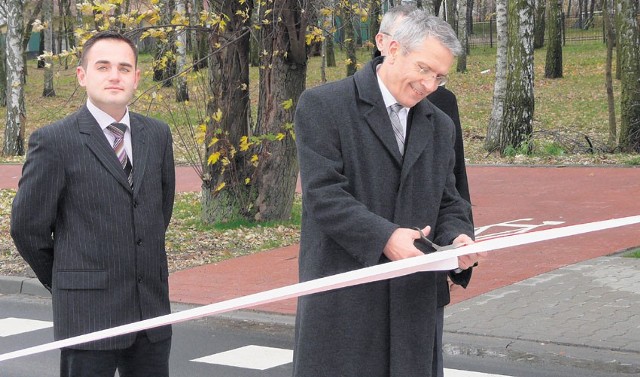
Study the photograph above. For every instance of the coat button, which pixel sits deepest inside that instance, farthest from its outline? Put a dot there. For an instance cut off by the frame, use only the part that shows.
(139, 279)
(139, 242)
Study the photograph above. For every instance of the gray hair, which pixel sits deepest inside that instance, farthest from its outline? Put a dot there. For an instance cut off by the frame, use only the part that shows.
(388, 22)
(419, 25)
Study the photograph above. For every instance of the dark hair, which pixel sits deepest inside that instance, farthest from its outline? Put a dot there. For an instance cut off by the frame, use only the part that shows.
(107, 34)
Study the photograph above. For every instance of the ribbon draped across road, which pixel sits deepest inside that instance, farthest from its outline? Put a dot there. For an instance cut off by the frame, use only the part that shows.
(446, 260)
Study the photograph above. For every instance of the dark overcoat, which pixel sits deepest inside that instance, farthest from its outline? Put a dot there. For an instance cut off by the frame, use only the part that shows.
(357, 189)
(98, 244)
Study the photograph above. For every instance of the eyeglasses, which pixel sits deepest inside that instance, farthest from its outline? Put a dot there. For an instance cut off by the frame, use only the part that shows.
(427, 74)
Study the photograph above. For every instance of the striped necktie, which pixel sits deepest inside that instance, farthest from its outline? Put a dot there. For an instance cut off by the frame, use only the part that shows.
(117, 130)
(397, 125)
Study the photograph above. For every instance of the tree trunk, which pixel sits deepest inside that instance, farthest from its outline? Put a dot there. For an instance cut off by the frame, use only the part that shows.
(14, 131)
(553, 62)
(349, 38)
(492, 142)
(429, 6)
(228, 109)
(200, 48)
(618, 22)
(451, 13)
(539, 24)
(48, 90)
(164, 64)
(462, 36)
(519, 102)
(182, 92)
(630, 77)
(375, 12)
(281, 81)
(610, 39)
(3, 71)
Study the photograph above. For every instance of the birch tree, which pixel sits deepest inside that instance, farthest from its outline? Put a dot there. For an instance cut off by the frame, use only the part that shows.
(629, 77)
(462, 35)
(519, 101)
(492, 141)
(16, 112)
(553, 62)
(182, 92)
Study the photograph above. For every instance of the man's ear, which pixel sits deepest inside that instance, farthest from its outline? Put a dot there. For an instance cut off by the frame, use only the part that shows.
(380, 41)
(393, 48)
(80, 74)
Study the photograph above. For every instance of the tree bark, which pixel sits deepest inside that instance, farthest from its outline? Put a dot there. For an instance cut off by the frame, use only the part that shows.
(553, 63)
(539, 24)
(610, 40)
(349, 37)
(282, 80)
(630, 77)
(492, 141)
(16, 112)
(48, 90)
(229, 96)
(164, 65)
(182, 92)
(519, 101)
(462, 36)
(3, 70)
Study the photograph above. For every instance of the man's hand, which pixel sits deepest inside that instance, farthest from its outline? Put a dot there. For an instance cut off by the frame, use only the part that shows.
(400, 244)
(470, 260)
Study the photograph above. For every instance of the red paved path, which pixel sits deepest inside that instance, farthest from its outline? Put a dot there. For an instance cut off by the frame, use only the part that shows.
(573, 195)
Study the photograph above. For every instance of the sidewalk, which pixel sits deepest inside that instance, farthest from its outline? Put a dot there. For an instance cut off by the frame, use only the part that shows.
(566, 299)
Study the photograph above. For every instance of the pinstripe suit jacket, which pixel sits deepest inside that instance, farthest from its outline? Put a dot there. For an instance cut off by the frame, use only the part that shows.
(90, 238)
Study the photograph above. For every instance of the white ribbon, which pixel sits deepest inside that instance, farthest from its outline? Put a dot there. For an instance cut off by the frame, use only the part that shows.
(430, 262)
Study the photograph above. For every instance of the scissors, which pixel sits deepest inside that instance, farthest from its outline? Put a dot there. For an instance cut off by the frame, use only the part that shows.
(435, 246)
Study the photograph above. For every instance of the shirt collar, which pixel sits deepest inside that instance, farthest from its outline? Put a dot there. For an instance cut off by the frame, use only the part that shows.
(105, 119)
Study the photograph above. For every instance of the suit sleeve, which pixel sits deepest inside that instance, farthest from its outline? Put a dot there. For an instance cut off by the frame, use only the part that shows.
(34, 209)
(168, 180)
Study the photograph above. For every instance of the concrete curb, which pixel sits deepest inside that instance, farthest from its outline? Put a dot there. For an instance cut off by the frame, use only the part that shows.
(12, 285)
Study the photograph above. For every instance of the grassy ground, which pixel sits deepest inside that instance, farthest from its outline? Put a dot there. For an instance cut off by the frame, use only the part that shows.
(568, 111)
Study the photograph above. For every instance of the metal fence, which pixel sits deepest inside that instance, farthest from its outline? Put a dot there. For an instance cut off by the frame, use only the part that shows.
(574, 30)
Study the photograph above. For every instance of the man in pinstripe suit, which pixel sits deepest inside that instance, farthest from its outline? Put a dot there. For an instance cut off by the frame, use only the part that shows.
(93, 238)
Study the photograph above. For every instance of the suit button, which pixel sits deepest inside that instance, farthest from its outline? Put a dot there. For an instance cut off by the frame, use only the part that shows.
(139, 242)
(139, 279)
(135, 204)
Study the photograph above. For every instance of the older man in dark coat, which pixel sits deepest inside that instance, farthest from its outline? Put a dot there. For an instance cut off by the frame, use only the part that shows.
(364, 189)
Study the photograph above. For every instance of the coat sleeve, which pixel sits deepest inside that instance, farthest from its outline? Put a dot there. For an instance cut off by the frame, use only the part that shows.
(34, 209)
(168, 179)
(327, 201)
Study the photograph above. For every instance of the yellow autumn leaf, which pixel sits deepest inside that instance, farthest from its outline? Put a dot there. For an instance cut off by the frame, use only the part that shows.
(213, 142)
(247, 181)
(280, 136)
(217, 116)
(213, 158)
(287, 104)
(220, 187)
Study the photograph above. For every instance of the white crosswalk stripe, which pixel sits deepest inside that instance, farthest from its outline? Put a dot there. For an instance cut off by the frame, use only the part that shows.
(14, 326)
(262, 358)
(250, 357)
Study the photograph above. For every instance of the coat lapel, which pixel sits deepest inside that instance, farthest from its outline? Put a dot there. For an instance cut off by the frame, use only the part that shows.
(95, 140)
(374, 111)
(420, 137)
(139, 127)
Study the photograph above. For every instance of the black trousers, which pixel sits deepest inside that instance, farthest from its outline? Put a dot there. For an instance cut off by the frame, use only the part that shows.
(142, 359)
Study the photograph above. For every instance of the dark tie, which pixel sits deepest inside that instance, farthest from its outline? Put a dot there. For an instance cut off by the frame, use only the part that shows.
(397, 126)
(117, 130)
